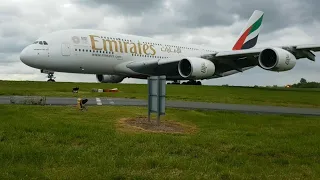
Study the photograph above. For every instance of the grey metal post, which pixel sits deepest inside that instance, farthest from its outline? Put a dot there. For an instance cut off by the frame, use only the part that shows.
(159, 99)
(156, 96)
(149, 98)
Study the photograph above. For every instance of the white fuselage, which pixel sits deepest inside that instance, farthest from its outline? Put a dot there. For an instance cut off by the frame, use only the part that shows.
(113, 56)
(101, 52)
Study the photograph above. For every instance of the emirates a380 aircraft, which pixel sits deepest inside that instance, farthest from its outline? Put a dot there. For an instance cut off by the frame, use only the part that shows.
(113, 57)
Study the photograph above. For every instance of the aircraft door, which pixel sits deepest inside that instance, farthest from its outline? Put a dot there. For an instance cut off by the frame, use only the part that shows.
(65, 49)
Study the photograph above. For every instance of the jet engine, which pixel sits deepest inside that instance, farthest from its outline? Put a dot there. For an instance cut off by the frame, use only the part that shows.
(276, 59)
(109, 78)
(196, 68)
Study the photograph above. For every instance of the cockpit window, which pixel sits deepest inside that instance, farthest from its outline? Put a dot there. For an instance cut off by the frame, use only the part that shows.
(41, 42)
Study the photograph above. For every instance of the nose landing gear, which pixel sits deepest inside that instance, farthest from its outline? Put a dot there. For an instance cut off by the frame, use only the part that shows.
(50, 75)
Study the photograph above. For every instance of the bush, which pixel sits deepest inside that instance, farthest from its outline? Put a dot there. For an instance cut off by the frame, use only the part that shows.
(307, 85)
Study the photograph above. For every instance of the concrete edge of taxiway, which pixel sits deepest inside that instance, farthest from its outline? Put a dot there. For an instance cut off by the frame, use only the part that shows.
(256, 109)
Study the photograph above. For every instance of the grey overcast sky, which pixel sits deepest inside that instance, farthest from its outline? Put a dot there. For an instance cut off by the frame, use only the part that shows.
(215, 23)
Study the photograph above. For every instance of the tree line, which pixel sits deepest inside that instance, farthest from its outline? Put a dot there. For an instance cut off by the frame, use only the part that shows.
(304, 84)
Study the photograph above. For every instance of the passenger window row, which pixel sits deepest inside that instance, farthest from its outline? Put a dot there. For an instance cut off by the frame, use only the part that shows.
(161, 57)
(45, 43)
(110, 52)
(95, 51)
(156, 44)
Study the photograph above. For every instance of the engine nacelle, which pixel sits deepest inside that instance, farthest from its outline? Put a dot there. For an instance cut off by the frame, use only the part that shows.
(109, 78)
(196, 68)
(276, 59)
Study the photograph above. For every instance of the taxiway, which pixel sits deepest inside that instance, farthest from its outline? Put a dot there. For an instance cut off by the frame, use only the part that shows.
(180, 104)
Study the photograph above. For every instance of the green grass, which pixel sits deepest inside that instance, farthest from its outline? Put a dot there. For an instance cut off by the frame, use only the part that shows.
(217, 94)
(55, 142)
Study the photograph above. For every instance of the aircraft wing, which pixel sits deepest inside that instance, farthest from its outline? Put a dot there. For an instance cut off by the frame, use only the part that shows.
(226, 62)
(300, 51)
(309, 47)
(169, 67)
(244, 55)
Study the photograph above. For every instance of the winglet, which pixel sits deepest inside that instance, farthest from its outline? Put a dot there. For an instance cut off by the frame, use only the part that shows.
(249, 35)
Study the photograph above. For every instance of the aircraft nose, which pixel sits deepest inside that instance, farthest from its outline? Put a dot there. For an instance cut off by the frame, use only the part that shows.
(25, 57)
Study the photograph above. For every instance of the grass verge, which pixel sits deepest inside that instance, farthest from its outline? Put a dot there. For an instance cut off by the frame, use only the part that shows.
(217, 94)
(56, 142)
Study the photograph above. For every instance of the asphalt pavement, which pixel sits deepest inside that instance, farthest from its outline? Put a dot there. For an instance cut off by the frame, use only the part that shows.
(178, 104)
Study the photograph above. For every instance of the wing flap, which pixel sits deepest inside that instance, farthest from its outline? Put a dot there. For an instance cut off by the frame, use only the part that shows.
(310, 47)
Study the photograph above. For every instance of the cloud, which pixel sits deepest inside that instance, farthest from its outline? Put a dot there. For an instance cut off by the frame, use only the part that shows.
(137, 7)
(215, 23)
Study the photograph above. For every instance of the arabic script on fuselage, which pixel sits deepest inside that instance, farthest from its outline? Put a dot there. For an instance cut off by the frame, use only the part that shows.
(171, 49)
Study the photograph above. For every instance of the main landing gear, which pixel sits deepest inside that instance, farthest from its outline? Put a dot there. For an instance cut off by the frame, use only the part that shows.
(191, 82)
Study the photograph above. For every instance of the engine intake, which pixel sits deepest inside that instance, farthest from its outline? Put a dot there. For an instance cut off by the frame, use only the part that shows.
(276, 59)
(109, 78)
(185, 68)
(196, 68)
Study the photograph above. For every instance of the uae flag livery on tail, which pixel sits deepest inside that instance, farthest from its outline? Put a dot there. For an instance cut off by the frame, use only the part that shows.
(249, 35)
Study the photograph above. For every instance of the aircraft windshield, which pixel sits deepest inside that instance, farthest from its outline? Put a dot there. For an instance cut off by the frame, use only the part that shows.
(41, 42)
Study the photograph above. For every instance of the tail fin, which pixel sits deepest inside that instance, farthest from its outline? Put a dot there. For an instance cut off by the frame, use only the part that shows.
(249, 35)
